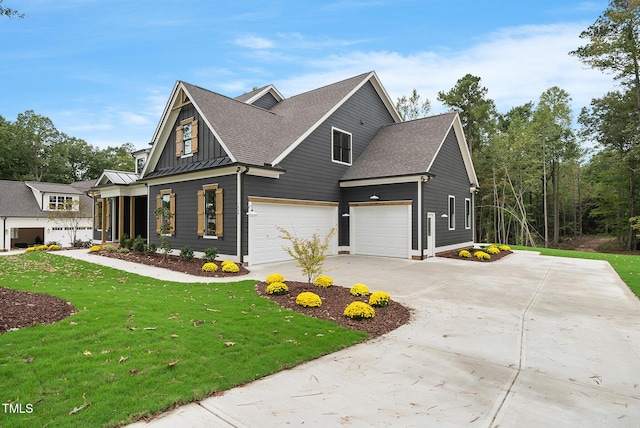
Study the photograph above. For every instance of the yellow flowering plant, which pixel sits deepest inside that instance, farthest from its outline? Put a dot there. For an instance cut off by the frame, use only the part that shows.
(504, 248)
(323, 281)
(230, 267)
(464, 254)
(53, 247)
(359, 290)
(209, 267)
(379, 298)
(308, 300)
(274, 277)
(95, 248)
(492, 249)
(481, 255)
(359, 310)
(277, 288)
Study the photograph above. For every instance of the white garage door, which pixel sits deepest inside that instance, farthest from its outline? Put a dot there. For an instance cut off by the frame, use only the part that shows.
(381, 230)
(301, 219)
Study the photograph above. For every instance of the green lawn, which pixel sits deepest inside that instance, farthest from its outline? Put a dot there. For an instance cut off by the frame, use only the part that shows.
(628, 267)
(139, 346)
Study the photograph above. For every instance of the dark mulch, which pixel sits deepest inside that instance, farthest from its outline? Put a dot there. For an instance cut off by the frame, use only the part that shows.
(334, 300)
(171, 262)
(453, 254)
(22, 309)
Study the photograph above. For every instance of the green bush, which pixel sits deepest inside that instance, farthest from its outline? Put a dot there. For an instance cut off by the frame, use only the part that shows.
(151, 249)
(186, 254)
(210, 254)
(138, 244)
(125, 241)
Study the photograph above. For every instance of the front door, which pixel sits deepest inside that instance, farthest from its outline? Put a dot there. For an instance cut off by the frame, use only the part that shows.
(431, 234)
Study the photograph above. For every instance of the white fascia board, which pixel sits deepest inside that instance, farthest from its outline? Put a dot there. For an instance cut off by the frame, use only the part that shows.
(384, 180)
(272, 89)
(464, 149)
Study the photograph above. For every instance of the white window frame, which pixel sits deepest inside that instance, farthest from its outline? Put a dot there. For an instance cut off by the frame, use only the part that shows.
(467, 213)
(451, 213)
(186, 136)
(333, 159)
(60, 203)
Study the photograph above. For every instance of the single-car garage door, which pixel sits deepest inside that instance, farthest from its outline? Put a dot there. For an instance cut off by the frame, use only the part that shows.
(381, 229)
(302, 218)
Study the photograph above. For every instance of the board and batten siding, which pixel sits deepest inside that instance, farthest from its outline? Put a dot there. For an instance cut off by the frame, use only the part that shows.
(186, 216)
(450, 179)
(386, 192)
(310, 173)
(208, 145)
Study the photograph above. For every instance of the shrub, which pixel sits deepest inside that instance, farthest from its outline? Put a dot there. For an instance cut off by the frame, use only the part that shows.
(309, 253)
(493, 249)
(464, 253)
(308, 300)
(323, 281)
(277, 288)
(151, 249)
(359, 310)
(379, 298)
(210, 254)
(125, 242)
(110, 248)
(481, 255)
(186, 254)
(95, 248)
(42, 247)
(274, 277)
(230, 267)
(53, 247)
(224, 262)
(209, 267)
(359, 290)
(123, 250)
(504, 248)
(30, 249)
(138, 244)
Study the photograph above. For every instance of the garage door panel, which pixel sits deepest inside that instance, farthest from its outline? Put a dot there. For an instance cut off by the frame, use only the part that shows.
(265, 243)
(381, 230)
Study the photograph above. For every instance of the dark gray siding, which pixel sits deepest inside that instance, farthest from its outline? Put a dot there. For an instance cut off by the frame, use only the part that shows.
(386, 192)
(450, 179)
(208, 146)
(266, 101)
(186, 233)
(310, 173)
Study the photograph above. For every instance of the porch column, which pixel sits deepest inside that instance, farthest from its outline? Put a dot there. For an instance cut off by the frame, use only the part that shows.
(132, 216)
(104, 220)
(120, 216)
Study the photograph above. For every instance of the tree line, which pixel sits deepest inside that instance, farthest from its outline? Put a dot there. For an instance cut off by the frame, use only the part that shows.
(542, 179)
(32, 149)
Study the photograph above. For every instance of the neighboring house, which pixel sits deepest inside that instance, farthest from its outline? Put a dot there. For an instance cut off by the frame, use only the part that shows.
(30, 213)
(233, 170)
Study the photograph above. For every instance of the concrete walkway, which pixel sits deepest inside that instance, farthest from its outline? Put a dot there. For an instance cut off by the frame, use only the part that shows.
(529, 341)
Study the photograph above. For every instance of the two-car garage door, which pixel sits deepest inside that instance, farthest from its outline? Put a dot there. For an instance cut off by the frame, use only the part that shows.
(381, 229)
(302, 218)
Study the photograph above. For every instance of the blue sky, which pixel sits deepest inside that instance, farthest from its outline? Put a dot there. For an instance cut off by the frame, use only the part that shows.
(103, 70)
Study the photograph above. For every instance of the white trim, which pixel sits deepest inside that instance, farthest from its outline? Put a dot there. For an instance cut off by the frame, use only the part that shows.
(268, 89)
(333, 129)
(384, 180)
(451, 218)
(373, 77)
(468, 215)
(195, 175)
(431, 239)
(453, 246)
(420, 247)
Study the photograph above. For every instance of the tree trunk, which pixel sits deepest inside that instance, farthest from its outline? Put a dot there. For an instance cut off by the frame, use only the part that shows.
(555, 178)
(631, 237)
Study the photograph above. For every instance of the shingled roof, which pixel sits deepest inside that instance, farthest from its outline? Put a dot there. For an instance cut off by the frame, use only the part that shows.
(17, 200)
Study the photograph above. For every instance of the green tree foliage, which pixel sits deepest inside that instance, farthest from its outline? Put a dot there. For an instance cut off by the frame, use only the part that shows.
(309, 253)
(477, 113)
(412, 108)
(10, 13)
(31, 148)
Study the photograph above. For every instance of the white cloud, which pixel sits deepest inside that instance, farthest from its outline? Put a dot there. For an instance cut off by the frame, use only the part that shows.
(254, 42)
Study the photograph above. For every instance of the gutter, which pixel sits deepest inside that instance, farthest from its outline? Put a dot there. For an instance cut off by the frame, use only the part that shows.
(4, 234)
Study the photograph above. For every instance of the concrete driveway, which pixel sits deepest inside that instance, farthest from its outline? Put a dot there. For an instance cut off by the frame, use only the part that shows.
(529, 341)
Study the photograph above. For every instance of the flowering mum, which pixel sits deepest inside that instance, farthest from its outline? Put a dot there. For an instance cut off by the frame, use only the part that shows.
(323, 281)
(274, 277)
(230, 267)
(359, 290)
(308, 300)
(209, 267)
(277, 288)
(464, 253)
(481, 255)
(359, 310)
(379, 298)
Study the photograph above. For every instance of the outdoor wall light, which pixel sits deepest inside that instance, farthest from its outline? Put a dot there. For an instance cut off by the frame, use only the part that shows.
(346, 215)
(251, 212)
(444, 216)
(374, 197)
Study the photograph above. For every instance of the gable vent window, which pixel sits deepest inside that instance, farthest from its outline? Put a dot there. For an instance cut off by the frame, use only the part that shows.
(187, 137)
(341, 146)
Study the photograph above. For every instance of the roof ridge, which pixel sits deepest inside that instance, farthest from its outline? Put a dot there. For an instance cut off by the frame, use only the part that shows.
(227, 97)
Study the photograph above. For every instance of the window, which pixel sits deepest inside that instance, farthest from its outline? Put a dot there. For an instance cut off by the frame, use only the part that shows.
(102, 214)
(60, 203)
(140, 164)
(341, 146)
(166, 212)
(187, 137)
(97, 211)
(452, 212)
(210, 213)
(467, 213)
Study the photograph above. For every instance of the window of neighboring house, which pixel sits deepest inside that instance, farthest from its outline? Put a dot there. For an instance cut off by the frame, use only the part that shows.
(187, 137)
(452, 212)
(140, 164)
(210, 202)
(467, 213)
(166, 222)
(341, 146)
(60, 203)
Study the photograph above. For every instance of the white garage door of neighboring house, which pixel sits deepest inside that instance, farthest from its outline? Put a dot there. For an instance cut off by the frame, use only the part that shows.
(381, 230)
(301, 218)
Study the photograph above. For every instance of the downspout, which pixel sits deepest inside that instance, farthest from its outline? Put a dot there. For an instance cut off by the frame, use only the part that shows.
(420, 250)
(240, 173)
(4, 234)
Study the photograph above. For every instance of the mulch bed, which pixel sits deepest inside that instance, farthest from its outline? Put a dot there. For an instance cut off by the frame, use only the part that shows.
(453, 254)
(334, 300)
(22, 309)
(171, 262)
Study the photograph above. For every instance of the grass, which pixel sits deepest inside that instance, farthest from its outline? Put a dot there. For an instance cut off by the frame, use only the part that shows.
(139, 346)
(628, 267)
